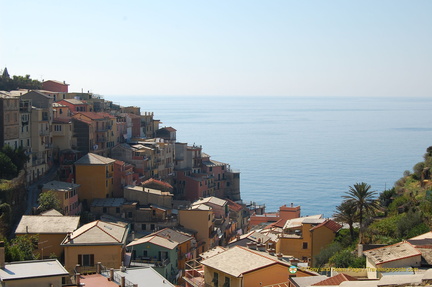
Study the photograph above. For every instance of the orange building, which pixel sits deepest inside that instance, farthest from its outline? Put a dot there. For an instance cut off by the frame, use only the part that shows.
(305, 237)
(95, 174)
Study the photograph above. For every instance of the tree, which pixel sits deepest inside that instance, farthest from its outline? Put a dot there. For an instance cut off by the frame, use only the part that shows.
(5, 218)
(326, 253)
(363, 201)
(48, 200)
(346, 258)
(21, 248)
(346, 213)
(7, 168)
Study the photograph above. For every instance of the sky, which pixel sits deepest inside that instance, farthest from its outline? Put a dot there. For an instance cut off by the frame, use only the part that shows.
(223, 48)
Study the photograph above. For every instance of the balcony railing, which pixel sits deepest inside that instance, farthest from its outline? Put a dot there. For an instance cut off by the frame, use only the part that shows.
(44, 132)
(152, 261)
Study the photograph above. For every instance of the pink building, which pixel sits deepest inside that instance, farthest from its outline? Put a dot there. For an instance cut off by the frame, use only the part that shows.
(55, 86)
(123, 176)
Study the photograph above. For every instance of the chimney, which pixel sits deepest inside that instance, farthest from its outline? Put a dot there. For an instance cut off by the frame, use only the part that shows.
(2, 255)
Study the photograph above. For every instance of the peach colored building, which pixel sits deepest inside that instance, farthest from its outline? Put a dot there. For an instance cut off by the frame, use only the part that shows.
(67, 194)
(51, 228)
(305, 237)
(95, 242)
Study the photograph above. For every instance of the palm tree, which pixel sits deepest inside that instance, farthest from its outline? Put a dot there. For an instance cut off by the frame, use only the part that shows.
(363, 201)
(346, 212)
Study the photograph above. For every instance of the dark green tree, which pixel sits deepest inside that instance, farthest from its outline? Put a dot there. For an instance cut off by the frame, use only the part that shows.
(363, 200)
(326, 253)
(346, 212)
(346, 258)
(8, 169)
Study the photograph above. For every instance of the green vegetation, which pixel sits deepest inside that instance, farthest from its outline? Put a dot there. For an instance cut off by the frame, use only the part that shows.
(48, 200)
(21, 248)
(11, 161)
(18, 82)
(397, 214)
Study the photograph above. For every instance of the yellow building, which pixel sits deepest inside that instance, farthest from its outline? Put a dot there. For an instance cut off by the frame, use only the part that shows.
(200, 219)
(240, 266)
(95, 242)
(305, 237)
(51, 228)
(95, 174)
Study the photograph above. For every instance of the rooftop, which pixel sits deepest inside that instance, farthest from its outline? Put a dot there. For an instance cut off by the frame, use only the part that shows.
(108, 202)
(156, 240)
(335, 280)
(307, 280)
(32, 269)
(94, 159)
(237, 261)
(393, 252)
(297, 222)
(211, 199)
(54, 224)
(174, 235)
(98, 233)
(60, 185)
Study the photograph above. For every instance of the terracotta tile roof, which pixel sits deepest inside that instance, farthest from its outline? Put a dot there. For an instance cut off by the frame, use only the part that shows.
(280, 223)
(61, 120)
(335, 280)
(330, 224)
(152, 180)
(94, 115)
(233, 205)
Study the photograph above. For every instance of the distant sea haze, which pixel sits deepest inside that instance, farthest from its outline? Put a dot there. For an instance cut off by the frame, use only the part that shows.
(305, 151)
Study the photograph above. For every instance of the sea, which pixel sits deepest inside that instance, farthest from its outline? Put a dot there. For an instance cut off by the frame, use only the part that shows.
(305, 151)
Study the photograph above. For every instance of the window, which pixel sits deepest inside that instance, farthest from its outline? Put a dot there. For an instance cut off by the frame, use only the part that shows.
(227, 282)
(145, 254)
(215, 279)
(104, 210)
(117, 209)
(86, 259)
(305, 245)
(152, 227)
(129, 214)
(143, 226)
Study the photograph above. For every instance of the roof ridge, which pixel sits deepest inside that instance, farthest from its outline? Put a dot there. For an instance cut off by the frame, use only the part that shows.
(107, 232)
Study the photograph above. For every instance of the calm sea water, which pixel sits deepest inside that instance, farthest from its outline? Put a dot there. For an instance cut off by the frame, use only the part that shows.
(306, 151)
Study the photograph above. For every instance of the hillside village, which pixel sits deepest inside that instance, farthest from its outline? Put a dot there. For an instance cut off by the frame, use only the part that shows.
(138, 208)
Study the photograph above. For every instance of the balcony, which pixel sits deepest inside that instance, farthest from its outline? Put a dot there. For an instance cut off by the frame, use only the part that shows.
(194, 274)
(150, 261)
(44, 132)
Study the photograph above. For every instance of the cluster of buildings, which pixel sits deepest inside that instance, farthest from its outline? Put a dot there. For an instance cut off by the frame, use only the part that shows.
(157, 211)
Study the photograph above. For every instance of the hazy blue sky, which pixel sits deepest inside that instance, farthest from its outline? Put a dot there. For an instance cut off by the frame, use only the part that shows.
(224, 47)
